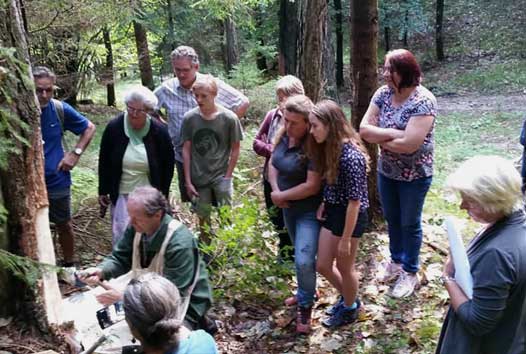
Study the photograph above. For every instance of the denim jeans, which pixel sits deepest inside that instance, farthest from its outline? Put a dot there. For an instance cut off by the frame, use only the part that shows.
(402, 204)
(304, 230)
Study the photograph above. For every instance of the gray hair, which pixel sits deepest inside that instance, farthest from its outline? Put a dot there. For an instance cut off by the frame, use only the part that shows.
(290, 85)
(491, 181)
(152, 307)
(186, 52)
(41, 72)
(151, 199)
(141, 94)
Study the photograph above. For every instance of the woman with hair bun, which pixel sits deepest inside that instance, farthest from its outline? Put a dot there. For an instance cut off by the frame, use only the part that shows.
(154, 310)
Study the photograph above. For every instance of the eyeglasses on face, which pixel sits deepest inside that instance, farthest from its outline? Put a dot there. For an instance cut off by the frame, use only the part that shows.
(41, 90)
(132, 110)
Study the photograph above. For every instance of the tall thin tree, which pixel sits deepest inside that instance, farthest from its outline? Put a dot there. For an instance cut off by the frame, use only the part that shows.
(314, 34)
(143, 53)
(364, 67)
(439, 34)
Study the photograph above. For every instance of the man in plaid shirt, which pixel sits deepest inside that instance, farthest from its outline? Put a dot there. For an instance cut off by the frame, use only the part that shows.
(176, 97)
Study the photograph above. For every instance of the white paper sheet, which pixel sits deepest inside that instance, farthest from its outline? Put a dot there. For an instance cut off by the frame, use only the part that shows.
(460, 258)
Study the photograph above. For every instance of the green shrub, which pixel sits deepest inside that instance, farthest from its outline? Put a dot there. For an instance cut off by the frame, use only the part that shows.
(243, 259)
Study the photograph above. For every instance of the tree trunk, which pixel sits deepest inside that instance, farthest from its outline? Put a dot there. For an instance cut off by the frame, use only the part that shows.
(439, 34)
(23, 188)
(314, 33)
(406, 29)
(330, 88)
(231, 48)
(145, 67)
(364, 36)
(387, 41)
(289, 18)
(109, 75)
(339, 41)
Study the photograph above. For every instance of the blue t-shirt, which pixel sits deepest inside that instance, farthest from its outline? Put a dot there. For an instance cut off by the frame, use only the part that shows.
(198, 342)
(52, 140)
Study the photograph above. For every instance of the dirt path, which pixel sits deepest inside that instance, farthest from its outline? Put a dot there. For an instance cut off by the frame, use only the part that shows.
(515, 102)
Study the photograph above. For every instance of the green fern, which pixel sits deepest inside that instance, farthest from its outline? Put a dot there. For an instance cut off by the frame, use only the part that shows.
(24, 268)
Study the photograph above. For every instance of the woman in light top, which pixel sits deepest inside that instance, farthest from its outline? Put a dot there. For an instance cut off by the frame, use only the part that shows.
(135, 150)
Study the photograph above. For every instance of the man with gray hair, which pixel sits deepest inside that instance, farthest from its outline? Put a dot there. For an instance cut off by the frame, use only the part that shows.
(56, 117)
(176, 97)
(156, 242)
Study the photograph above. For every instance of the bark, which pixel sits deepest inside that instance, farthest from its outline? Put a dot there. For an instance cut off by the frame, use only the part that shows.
(439, 34)
(289, 18)
(387, 41)
(109, 73)
(330, 89)
(143, 53)
(364, 36)
(23, 187)
(338, 17)
(231, 48)
(314, 34)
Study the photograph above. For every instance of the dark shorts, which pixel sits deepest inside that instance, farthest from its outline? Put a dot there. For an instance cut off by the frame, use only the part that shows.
(59, 206)
(335, 220)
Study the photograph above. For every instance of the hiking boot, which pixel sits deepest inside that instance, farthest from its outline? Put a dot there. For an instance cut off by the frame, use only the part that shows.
(406, 285)
(390, 272)
(342, 316)
(303, 320)
(331, 310)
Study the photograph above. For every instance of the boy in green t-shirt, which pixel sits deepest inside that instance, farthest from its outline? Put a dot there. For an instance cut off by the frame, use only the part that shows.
(211, 136)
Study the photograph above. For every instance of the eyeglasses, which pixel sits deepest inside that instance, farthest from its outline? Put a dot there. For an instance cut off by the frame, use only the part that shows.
(132, 110)
(41, 90)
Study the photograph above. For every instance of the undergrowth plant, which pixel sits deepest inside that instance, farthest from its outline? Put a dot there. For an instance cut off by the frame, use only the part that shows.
(243, 261)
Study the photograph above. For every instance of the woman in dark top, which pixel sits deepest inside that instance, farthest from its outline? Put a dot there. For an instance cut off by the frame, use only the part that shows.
(343, 161)
(494, 319)
(135, 150)
(286, 87)
(296, 189)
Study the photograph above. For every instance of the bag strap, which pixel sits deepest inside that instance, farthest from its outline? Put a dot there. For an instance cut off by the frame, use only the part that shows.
(59, 108)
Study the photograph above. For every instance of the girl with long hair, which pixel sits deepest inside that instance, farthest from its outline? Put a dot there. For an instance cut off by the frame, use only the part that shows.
(343, 161)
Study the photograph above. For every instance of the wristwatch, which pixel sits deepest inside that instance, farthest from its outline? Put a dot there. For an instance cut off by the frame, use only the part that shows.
(446, 278)
(77, 151)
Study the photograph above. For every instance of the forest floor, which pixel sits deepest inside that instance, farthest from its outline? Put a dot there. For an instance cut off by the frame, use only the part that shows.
(385, 325)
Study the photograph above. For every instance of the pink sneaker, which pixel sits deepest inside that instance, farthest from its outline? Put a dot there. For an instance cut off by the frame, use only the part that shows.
(390, 272)
(303, 320)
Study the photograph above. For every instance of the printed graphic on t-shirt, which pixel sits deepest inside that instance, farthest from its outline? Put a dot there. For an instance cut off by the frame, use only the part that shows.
(206, 141)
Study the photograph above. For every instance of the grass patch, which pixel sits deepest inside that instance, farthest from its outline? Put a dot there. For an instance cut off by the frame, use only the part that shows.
(485, 78)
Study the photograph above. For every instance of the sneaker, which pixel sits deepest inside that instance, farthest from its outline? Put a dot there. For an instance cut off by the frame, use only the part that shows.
(303, 320)
(406, 285)
(388, 273)
(342, 316)
(332, 309)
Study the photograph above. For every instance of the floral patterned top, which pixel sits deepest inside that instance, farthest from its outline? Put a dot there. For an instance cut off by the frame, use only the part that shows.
(398, 166)
(351, 183)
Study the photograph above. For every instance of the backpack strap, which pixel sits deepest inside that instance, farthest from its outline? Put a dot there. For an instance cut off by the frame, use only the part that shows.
(59, 108)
